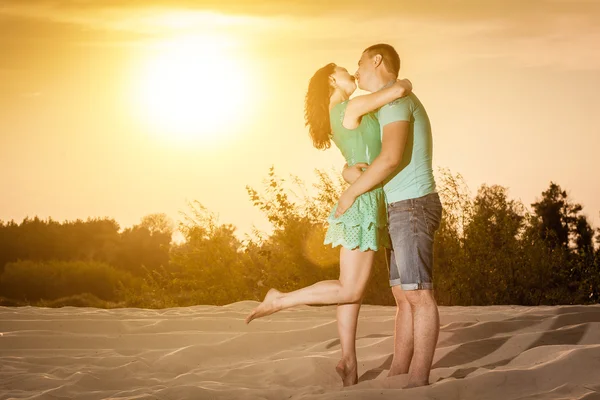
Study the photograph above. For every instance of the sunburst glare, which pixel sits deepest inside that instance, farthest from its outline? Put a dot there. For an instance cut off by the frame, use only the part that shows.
(188, 86)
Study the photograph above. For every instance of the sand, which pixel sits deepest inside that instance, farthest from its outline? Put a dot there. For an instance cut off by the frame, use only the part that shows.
(207, 352)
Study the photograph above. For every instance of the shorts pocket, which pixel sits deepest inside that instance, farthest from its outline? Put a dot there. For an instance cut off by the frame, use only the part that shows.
(433, 217)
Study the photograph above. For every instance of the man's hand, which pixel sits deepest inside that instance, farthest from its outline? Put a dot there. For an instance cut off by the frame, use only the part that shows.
(351, 174)
(345, 202)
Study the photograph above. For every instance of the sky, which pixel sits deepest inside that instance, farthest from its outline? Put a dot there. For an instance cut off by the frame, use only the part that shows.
(125, 108)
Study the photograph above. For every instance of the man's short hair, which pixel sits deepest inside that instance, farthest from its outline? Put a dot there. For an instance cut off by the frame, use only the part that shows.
(389, 55)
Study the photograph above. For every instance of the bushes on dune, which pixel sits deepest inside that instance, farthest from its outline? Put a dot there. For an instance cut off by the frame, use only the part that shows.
(50, 280)
(490, 249)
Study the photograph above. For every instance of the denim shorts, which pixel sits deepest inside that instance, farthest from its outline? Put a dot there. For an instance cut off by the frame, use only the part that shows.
(412, 225)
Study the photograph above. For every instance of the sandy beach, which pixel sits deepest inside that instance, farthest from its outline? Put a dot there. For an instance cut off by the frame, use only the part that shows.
(207, 352)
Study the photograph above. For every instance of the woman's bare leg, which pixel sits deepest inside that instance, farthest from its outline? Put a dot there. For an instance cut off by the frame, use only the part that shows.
(355, 270)
(347, 292)
(347, 315)
(347, 319)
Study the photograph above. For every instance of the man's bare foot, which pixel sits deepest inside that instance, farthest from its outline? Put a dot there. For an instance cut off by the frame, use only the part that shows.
(267, 307)
(348, 372)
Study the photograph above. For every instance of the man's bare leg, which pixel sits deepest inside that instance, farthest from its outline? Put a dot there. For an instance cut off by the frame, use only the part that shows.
(403, 334)
(426, 322)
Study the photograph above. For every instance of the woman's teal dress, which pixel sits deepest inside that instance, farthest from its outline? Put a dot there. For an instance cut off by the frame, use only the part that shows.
(364, 225)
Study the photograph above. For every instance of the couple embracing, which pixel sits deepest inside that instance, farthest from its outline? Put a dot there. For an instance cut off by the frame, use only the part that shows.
(386, 139)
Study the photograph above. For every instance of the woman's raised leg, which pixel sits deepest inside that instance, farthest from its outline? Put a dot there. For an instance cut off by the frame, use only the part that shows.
(355, 270)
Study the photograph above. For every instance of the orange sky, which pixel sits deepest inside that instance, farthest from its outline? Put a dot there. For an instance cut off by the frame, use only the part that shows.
(511, 90)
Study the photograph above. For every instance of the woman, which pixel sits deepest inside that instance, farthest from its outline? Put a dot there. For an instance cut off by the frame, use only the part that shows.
(362, 229)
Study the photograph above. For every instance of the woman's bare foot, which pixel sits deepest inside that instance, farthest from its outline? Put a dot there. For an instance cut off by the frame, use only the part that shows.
(348, 372)
(268, 306)
(411, 385)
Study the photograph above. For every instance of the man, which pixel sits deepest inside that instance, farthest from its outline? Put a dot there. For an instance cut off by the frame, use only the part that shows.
(414, 209)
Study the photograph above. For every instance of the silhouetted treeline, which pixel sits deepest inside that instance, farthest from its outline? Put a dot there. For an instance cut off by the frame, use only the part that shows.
(146, 244)
(490, 249)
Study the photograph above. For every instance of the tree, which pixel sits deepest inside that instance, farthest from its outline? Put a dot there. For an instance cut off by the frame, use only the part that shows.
(557, 215)
(452, 275)
(492, 246)
(584, 238)
(158, 223)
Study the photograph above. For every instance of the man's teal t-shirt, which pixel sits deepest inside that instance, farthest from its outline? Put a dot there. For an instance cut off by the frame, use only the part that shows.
(414, 176)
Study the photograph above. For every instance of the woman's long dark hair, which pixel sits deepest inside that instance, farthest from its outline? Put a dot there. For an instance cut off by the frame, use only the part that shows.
(316, 107)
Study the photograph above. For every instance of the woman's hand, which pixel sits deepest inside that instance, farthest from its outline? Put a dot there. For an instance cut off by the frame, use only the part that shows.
(405, 86)
(351, 174)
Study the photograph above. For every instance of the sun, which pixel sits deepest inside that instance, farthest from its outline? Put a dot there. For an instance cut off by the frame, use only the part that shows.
(193, 89)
